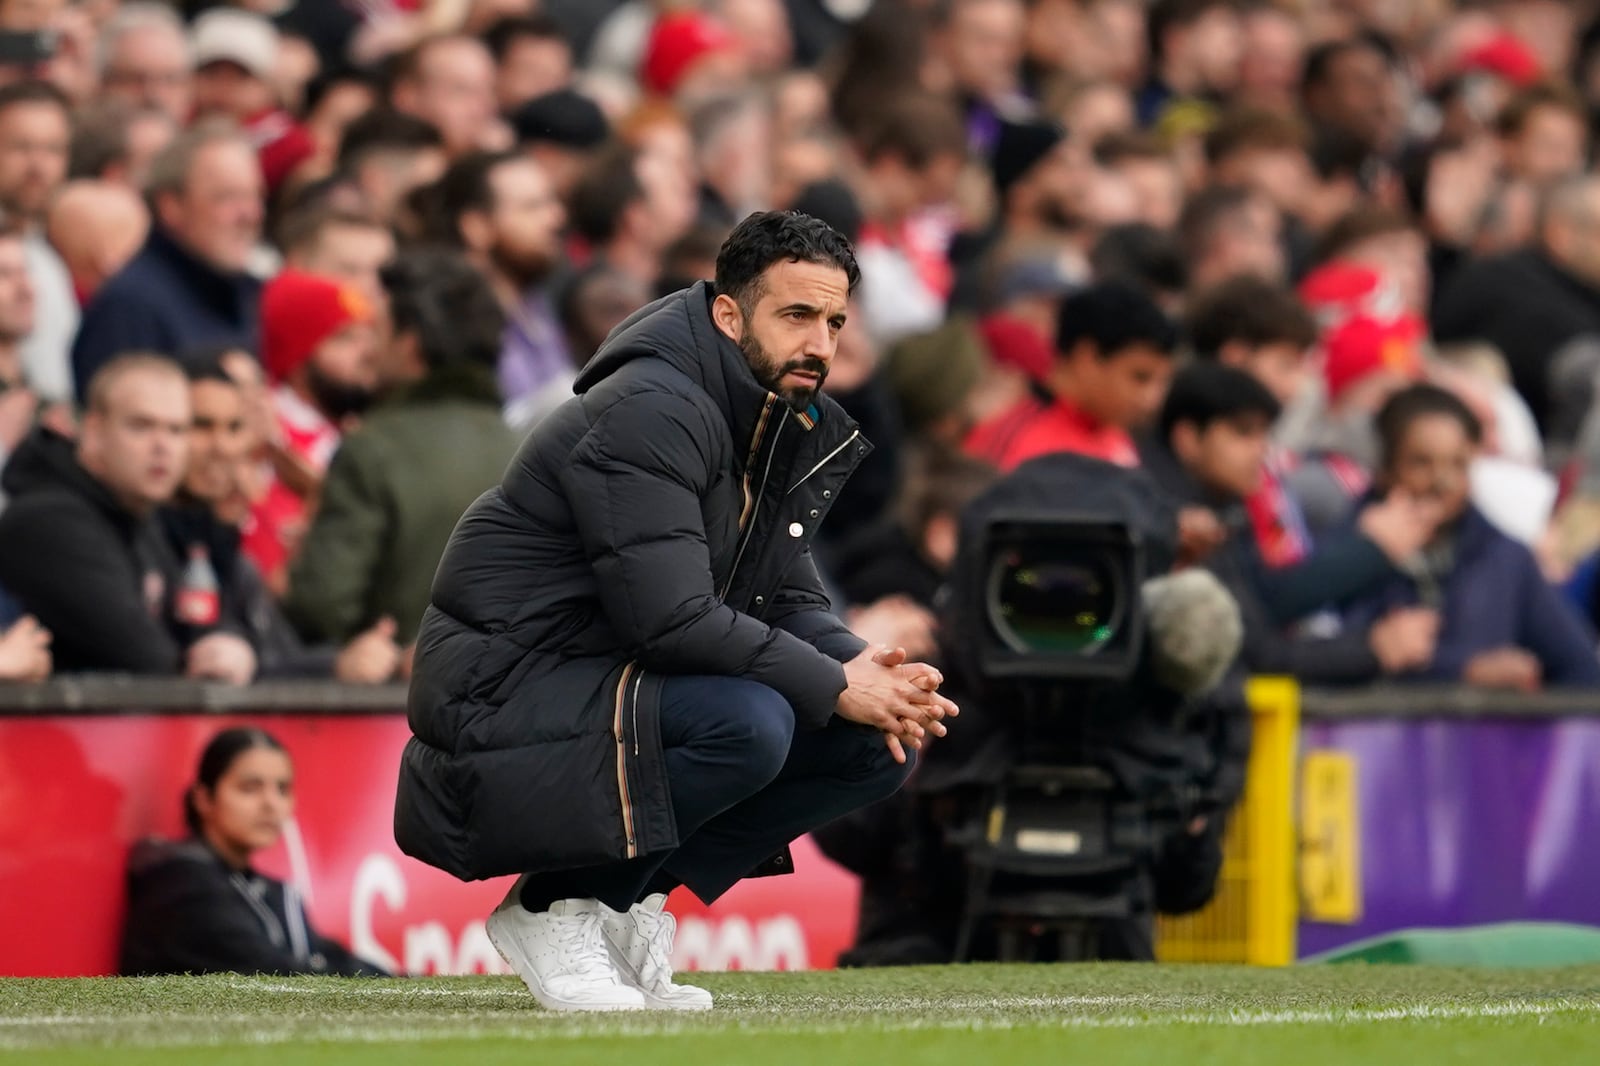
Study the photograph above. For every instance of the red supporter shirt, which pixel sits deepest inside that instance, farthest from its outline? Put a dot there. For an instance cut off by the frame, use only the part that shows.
(277, 519)
(1034, 428)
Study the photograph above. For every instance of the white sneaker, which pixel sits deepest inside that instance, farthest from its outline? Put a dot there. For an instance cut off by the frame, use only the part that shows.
(561, 954)
(641, 946)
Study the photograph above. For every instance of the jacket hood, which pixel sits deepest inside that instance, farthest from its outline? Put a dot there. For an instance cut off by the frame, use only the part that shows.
(44, 460)
(678, 330)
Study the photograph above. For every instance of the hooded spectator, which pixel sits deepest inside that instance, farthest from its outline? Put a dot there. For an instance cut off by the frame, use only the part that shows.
(80, 547)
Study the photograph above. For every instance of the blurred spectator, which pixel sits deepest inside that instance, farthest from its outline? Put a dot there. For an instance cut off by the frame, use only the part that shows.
(1352, 88)
(911, 162)
(1146, 164)
(35, 133)
(1227, 231)
(762, 27)
(1195, 49)
(335, 99)
(1502, 625)
(1144, 257)
(933, 376)
(117, 142)
(188, 286)
(97, 227)
(398, 484)
(1215, 432)
(1113, 358)
(236, 56)
(345, 245)
(562, 131)
(629, 209)
(1541, 308)
(1388, 242)
(80, 548)
(979, 44)
(145, 59)
(388, 156)
(204, 523)
(319, 347)
(1268, 153)
(1272, 59)
(502, 211)
(197, 906)
(449, 82)
(1258, 327)
(691, 258)
(532, 58)
(19, 402)
(734, 150)
(689, 53)
(1371, 349)
(593, 303)
(1544, 134)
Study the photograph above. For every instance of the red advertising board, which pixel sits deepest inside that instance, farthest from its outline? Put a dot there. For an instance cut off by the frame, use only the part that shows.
(76, 792)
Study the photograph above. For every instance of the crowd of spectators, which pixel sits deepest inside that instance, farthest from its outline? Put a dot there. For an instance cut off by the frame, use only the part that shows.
(282, 284)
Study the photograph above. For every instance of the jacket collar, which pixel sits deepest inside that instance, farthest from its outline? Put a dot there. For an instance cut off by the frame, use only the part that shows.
(217, 288)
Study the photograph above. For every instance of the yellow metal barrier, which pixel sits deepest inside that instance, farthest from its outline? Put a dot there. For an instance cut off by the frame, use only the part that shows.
(1252, 919)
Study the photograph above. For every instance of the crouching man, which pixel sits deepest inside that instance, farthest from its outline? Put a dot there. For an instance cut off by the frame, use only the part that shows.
(629, 678)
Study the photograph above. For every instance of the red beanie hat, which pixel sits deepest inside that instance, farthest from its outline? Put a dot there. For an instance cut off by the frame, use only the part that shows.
(1506, 56)
(677, 41)
(298, 312)
(1018, 344)
(1365, 345)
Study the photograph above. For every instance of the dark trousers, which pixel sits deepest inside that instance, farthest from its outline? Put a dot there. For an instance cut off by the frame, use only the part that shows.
(744, 784)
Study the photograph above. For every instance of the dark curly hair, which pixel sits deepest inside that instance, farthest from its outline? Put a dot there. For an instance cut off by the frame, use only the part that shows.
(438, 295)
(769, 237)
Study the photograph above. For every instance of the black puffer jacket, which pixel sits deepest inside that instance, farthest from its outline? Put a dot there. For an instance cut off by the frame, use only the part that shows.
(658, 523)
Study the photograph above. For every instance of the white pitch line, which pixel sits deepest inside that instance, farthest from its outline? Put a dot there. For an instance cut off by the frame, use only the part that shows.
(466, 1026)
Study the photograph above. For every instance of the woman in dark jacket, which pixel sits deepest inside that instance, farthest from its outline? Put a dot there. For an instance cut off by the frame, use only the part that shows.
(196, 906)
(1501, 624)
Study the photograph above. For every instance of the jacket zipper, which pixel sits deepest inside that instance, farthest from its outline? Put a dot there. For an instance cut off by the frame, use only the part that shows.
(826, 459)
(622, 762)
(747, 524)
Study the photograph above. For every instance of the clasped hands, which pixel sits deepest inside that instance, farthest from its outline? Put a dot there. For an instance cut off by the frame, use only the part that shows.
(897, 697)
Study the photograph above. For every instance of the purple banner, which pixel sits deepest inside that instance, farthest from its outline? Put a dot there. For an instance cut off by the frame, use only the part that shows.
(1466, 821)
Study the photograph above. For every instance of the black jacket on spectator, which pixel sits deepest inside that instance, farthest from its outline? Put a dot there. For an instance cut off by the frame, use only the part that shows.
(98, 577)
(658, 522)
(165, 300)
(1531, 309)
(189, 912)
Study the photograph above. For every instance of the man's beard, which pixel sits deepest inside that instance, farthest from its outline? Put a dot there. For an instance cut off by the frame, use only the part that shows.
(336, 399)
(770, 373)
(523, 269)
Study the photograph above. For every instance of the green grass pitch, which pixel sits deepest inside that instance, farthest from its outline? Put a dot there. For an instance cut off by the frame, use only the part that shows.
(962, 1016)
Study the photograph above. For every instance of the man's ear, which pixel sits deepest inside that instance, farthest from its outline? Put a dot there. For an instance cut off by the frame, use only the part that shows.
(477, 231)
(1185, 442)
(728, 318)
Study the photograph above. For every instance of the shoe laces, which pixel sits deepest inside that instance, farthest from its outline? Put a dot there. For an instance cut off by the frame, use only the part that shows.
(582, 945)
(658, 931)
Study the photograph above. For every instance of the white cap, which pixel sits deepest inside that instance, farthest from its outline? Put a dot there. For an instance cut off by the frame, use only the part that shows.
(226, 34)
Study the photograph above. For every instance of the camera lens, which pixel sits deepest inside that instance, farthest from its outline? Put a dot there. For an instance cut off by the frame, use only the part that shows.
(1053, 600)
